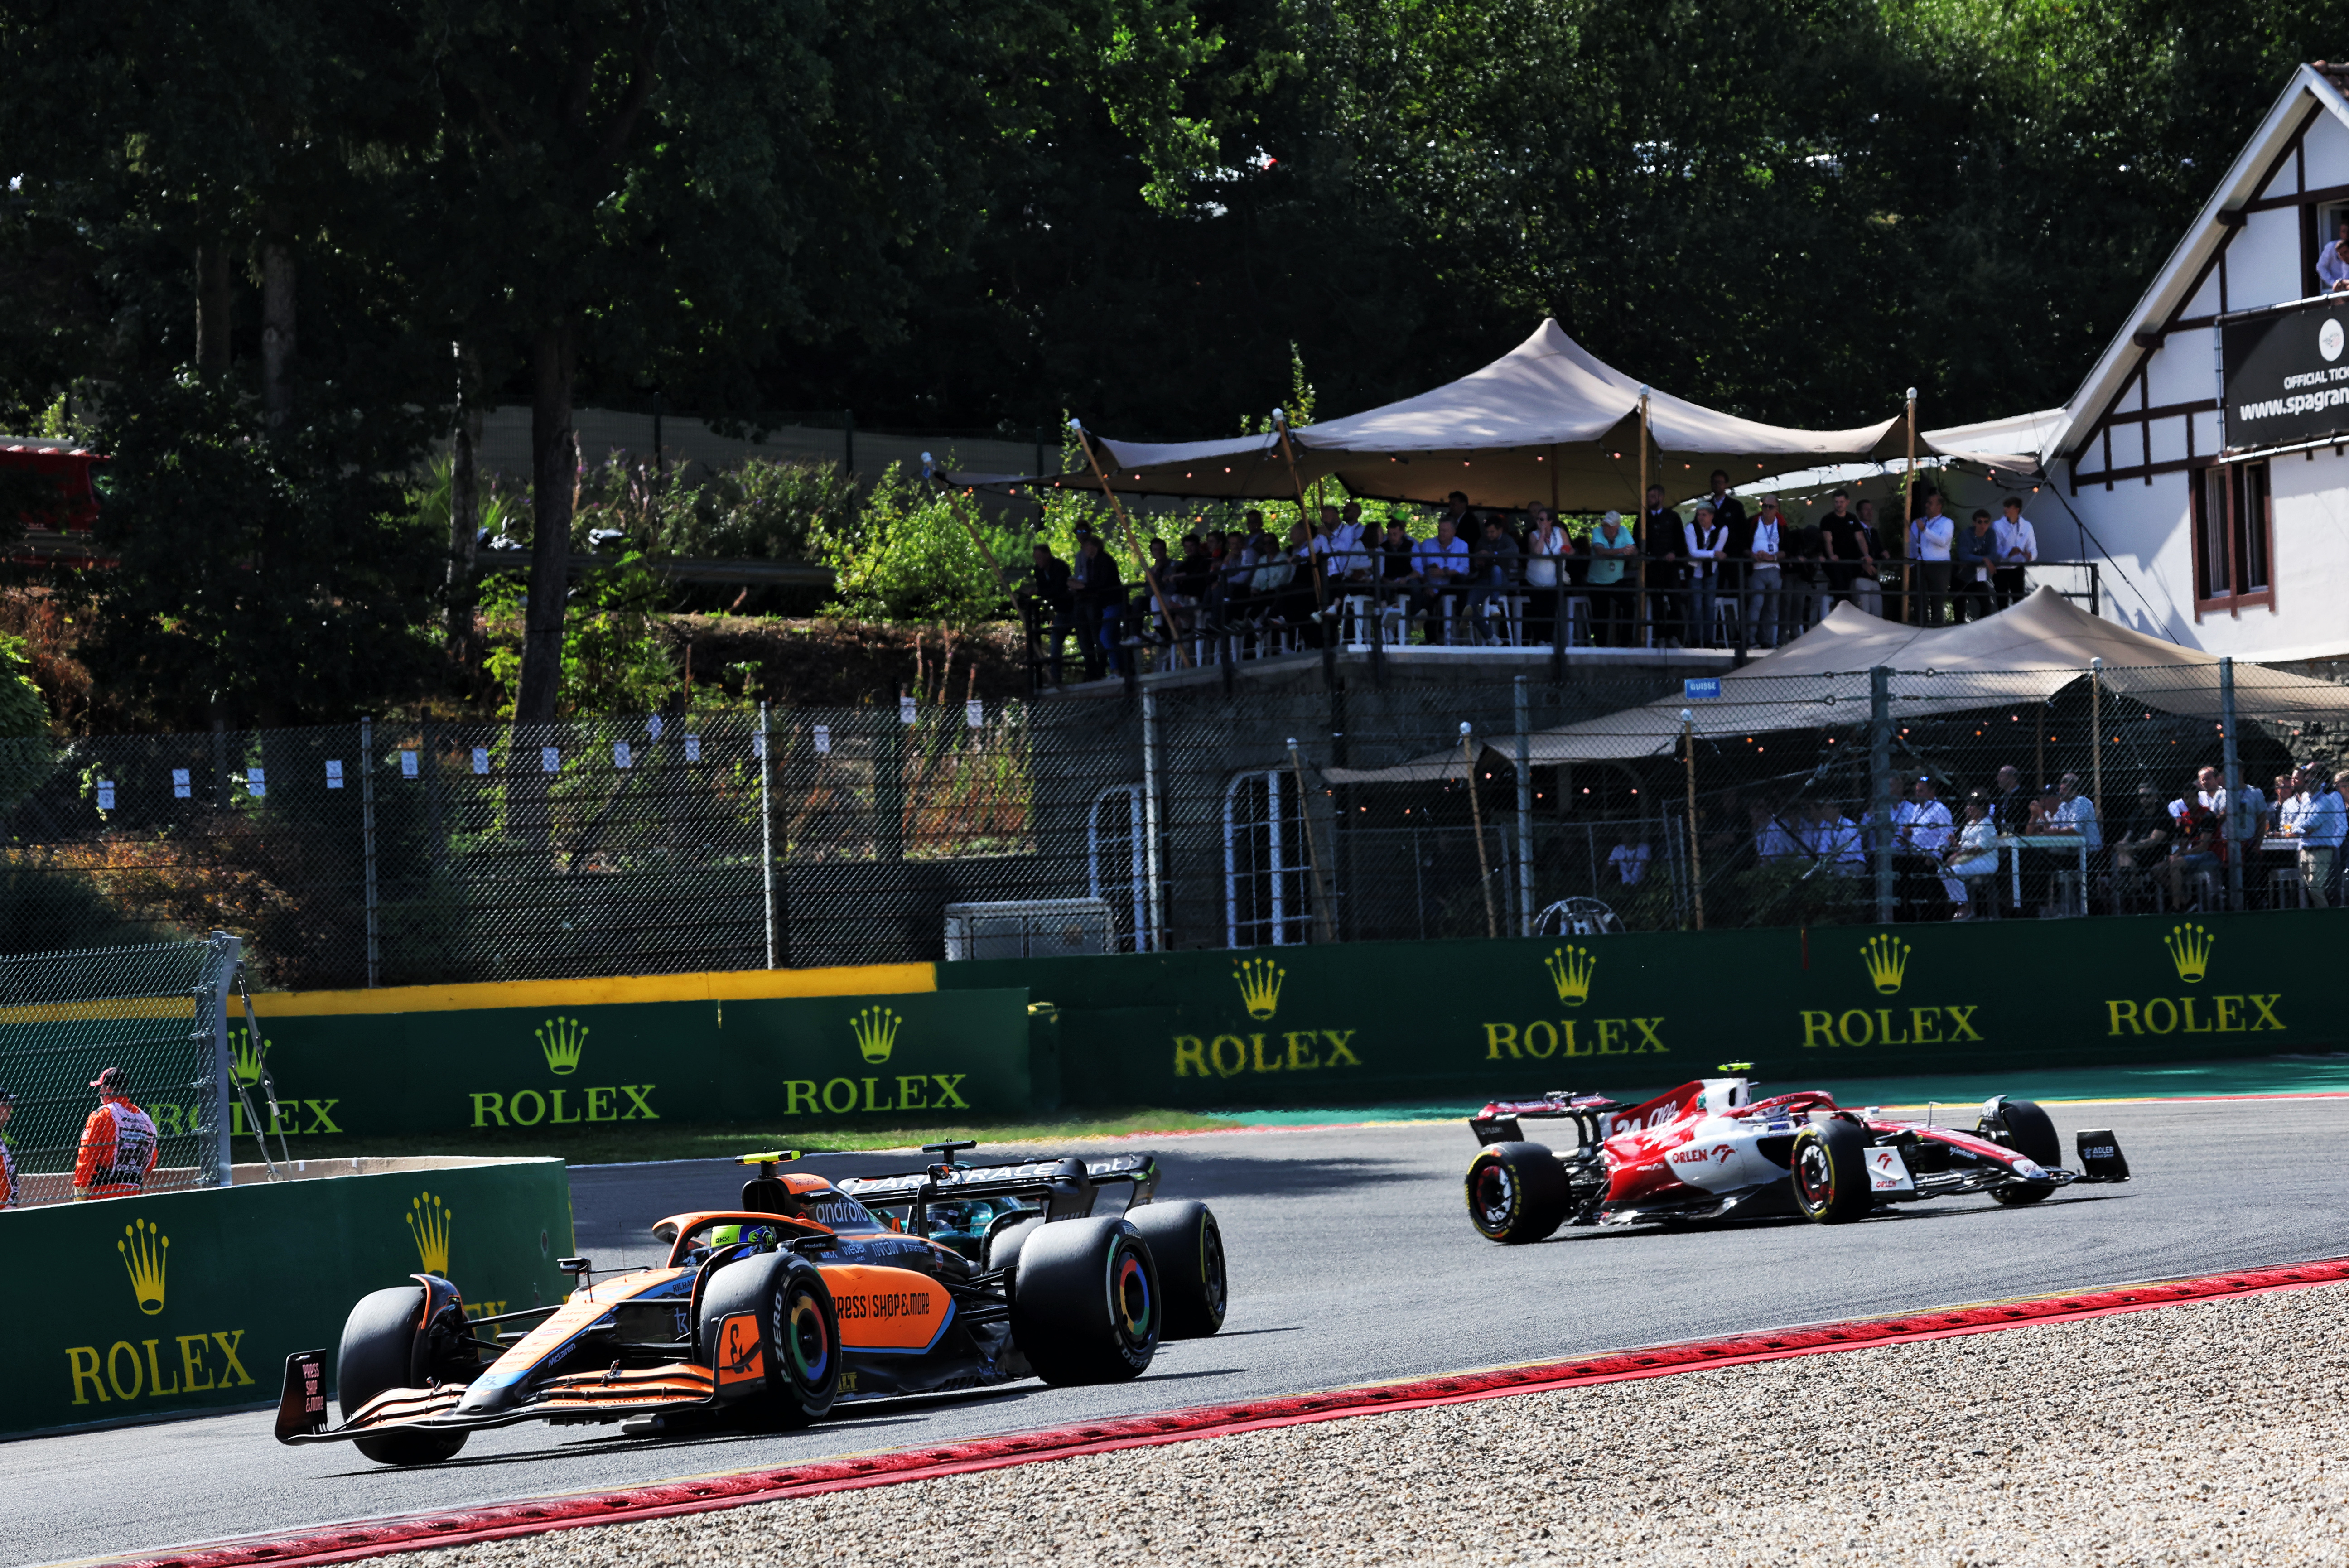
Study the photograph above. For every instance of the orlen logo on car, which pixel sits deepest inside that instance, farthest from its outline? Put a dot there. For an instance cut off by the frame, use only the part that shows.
(1699, 1155)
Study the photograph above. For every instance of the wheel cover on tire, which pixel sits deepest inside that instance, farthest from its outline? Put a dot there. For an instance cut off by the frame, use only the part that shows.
(1814, 1176)
(1129, 1284)
(1211, 1260)
(1496, 1196)
(806, 1340)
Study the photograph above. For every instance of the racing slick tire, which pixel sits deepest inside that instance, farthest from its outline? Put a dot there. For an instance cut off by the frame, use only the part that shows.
(788, 1374)
(2030, 1133)
(1003, 1247)
(1189, 1252)
(386, 1344)
(1828, 1169)
(1085, 1304)
(1518, 1192)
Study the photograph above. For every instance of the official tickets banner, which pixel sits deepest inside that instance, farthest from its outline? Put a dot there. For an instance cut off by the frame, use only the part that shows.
(2284, 375)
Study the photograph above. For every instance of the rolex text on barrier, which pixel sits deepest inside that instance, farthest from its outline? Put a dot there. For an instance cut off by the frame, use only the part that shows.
(535, 1060)
(1366, 1022)
(178, 1302)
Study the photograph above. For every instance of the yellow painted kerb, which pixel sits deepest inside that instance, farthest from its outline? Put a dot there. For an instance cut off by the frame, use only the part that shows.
(728, 985)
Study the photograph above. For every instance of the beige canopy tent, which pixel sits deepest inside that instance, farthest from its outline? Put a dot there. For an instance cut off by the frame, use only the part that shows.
(1822, 680)
(1546, 422)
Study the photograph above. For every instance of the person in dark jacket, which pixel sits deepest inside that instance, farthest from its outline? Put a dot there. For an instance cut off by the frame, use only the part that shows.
(1045, 603)
(1099, 595)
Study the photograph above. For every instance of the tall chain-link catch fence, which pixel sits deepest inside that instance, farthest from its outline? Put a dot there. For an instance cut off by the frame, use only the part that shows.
(1185, 812)
(117, 1068)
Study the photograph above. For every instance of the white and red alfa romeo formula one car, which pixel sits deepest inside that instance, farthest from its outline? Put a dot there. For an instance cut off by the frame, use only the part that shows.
(1708, 1149)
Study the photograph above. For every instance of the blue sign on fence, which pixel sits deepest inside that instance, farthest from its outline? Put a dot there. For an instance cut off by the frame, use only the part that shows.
(1700, 688)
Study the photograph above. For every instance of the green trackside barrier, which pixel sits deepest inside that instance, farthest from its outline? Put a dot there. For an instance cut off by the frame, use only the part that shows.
(144, 1309)
(1371, 1022)
(554, 1058)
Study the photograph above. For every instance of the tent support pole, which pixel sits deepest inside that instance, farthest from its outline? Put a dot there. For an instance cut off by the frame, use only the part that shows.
(2096, 752)
(1879, 774)
(2233, 762)
(1524, 811)
(1477, 819)
(1323, 915)
(1688, 748)
(1125, 526)
(1640, 510)
(1312, 559)
(1911, 611)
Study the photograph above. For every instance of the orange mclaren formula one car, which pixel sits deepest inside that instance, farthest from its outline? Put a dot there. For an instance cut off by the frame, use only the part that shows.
(813, 1292)
(1710, 1149)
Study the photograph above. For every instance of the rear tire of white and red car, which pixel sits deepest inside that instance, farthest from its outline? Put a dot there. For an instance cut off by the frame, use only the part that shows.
(1518, 1192)
(2030, 1133)
(381, 1351)
(1828, 1169)
(1086, 1305)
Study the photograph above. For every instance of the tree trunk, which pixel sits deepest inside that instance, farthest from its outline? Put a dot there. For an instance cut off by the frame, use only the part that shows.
(555, 471)
(464, 503)
(276, 331)
(213, 297)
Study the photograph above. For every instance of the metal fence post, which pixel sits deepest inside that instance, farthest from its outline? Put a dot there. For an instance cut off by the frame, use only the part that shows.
(366, 838)
(2233, 763)
(1524, 811)
(766, 834)
(1151, 818)
(217, 1161)
(1880, 774)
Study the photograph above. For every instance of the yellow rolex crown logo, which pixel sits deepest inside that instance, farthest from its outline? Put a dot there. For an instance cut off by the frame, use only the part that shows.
(876, 1032)
(1569, 970)
(563, 1040)
(1259, 982)
(2189, 949)
(143, 1248)
(1887, 958)
(428, 1226)
(244, 1056)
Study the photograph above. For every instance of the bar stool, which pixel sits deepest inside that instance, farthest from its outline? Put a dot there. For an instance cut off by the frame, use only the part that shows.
(2287, 879)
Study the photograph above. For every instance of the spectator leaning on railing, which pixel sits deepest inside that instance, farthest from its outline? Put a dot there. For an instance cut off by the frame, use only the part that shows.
(1612, 546)
(2314, 816)
(2018, 547)
(1930, 541)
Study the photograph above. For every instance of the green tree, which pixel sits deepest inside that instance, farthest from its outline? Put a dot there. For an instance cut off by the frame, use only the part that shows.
(678, 194)
(286, 579)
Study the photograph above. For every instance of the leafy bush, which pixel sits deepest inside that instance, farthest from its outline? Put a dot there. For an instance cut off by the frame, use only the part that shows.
(615, 660)
(910, 554)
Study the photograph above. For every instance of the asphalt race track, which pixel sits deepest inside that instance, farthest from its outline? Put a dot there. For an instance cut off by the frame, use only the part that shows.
(1351, 1261)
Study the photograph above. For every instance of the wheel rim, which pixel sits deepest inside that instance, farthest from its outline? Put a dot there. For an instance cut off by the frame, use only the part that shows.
(1494, 1196)
(1814, 1175)
(1130, 1295)
(1211, 1266)
(806, 1339)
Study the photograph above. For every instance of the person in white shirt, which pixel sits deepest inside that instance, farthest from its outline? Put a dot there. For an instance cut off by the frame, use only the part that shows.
(2332, 261)
(1347, 559)
(1771, 839)
(1545, 545)
(1762, 581)
(1975, 855)
(1930, 539)
(2314, 816)
(1707, 540)
(1921, 834)
(2016, 547)
(2075, 813)
(1629, 858)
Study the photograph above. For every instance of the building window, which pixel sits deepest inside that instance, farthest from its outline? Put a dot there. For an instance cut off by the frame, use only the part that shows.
(1265, 871)
(2234, 534)
(1117, 872)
